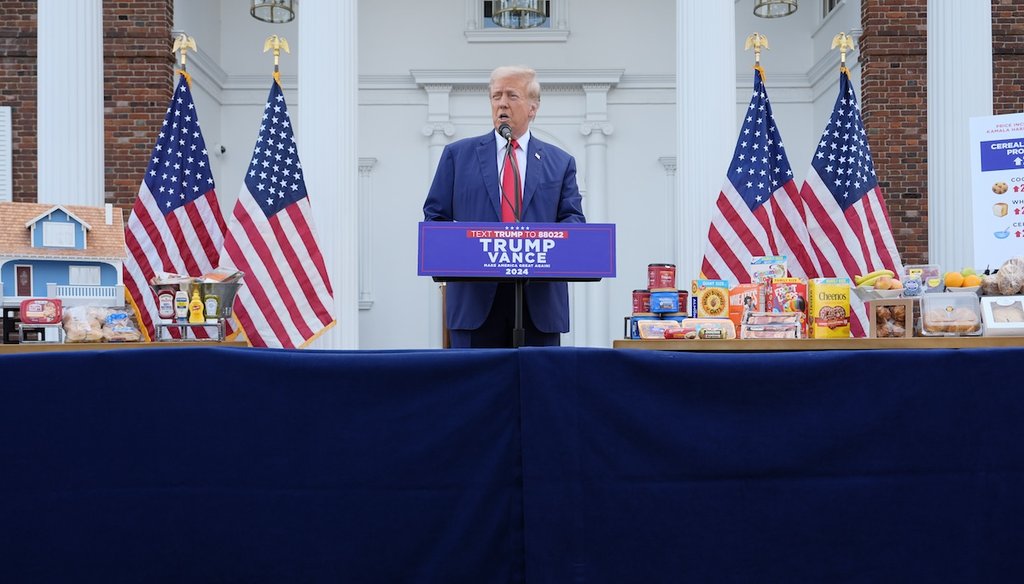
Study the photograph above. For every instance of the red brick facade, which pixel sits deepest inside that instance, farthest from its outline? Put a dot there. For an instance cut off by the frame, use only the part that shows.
(137, 85)
(1007, 56)
(894, 76)
(894, 100)
(18, 71)
(138, 69)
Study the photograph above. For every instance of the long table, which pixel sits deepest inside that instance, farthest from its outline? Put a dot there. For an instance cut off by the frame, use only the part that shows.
(548, 465)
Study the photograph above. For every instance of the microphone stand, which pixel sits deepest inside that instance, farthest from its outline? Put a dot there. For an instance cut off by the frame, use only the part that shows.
(518, 331)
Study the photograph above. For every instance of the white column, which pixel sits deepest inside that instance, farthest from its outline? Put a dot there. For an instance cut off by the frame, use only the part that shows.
(706, 121)
(438, 131)
(597, 312)
(328, 133)
(959, 87)
(70, 102)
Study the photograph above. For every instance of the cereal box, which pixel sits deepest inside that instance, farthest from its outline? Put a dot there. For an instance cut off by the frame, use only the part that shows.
(709, 298)
(743, 298)
(762, 267)
(787, 295)
(828, 308)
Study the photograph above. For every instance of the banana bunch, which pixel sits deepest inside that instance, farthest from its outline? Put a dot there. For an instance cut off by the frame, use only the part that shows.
(869, 279)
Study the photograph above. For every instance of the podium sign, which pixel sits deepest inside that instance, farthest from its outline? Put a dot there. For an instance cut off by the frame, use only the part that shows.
(536, 251)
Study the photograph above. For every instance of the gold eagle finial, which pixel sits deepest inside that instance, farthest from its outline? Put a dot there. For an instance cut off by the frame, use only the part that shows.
(757, 41)
(844, 43)
(183, 43)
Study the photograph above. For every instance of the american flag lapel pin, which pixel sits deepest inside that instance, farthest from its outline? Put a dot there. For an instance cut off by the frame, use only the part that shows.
(537, 154)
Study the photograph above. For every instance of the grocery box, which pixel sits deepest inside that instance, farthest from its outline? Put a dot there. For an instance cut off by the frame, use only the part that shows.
(951, 314)
(709, 298)
(828, 308)
(891, 318)
(1003, 316)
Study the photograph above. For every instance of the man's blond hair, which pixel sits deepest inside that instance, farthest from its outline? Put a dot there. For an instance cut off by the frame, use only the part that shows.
(522, 72)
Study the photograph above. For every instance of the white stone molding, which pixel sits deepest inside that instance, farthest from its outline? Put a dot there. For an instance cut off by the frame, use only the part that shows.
(706, 120)
(959, 88)
(671, 203)
(597, 129)
(70, 102)
(328, 120)
(366, 166)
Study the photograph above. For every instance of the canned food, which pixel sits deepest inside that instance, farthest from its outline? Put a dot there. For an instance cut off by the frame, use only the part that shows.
(661, 277)
(667, 301)
(641, 301)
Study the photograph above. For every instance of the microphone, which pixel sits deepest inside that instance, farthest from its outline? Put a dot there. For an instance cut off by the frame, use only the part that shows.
(505, 131)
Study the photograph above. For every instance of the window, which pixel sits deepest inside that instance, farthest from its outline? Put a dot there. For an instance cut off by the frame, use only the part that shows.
(489, 11)
(58, 234)
(827, 6)
(84, 275)
(481, 29)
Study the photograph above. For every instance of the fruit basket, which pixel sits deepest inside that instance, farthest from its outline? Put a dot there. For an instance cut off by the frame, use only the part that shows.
(866, 293)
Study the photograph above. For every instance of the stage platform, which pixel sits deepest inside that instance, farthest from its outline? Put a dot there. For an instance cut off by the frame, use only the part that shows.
(553, 465)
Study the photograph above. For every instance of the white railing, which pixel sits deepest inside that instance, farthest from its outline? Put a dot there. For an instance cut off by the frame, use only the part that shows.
(87, 295)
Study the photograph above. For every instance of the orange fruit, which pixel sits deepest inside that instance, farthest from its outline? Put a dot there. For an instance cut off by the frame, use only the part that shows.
(972, 280)
(954, 279)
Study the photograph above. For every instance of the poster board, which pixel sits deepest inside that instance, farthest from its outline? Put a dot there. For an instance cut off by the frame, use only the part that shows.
(997, 188)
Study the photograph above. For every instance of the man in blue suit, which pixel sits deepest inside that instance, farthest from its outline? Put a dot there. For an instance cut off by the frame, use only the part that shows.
(467, 187)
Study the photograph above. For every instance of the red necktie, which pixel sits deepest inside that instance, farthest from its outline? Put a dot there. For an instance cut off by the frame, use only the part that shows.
(509, 194)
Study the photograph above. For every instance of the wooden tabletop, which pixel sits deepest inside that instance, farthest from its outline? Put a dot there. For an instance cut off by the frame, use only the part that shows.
(56, 347)
(767, 345)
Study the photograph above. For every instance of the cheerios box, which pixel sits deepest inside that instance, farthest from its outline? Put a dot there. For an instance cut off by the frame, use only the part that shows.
(709, 298)
(828, 308)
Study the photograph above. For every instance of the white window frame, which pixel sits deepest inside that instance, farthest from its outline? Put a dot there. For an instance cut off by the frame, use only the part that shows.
(828, 7)
(6, 168)
(56, 234)
(558, 32)
(84, 275)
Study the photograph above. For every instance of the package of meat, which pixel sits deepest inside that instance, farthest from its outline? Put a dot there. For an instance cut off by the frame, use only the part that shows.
(41, 311)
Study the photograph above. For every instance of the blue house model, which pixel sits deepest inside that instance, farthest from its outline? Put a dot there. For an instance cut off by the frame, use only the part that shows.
(69, 252)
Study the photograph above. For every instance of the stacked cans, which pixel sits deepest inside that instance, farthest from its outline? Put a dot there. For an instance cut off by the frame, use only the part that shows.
(660, 300)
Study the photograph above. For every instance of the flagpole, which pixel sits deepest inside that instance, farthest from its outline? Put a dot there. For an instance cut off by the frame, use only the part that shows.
(276, 43)
(844, 43)
(757, 41)
(181, 46)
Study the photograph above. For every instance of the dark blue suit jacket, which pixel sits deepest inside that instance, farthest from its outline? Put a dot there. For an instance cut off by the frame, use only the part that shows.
(466, 188)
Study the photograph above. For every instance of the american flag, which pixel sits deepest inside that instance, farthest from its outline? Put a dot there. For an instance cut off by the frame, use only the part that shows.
(758, 211)
(846, 216)
(176, 224)
(286, 297)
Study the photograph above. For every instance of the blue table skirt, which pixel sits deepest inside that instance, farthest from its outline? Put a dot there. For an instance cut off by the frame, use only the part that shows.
(534, 465)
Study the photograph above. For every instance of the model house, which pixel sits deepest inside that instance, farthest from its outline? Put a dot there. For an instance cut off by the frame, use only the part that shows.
(74, 253)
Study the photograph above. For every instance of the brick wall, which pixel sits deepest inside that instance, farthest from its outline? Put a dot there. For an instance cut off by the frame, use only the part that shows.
(18, 71)
(894, 76)
(1007, 56)
(137, 85)
(138, 71)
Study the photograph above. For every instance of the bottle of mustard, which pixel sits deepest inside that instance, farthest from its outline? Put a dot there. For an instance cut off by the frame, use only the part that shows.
(195, 309)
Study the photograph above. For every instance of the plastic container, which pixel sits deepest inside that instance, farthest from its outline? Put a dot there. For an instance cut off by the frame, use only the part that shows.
(41, 311)
(953, 314)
